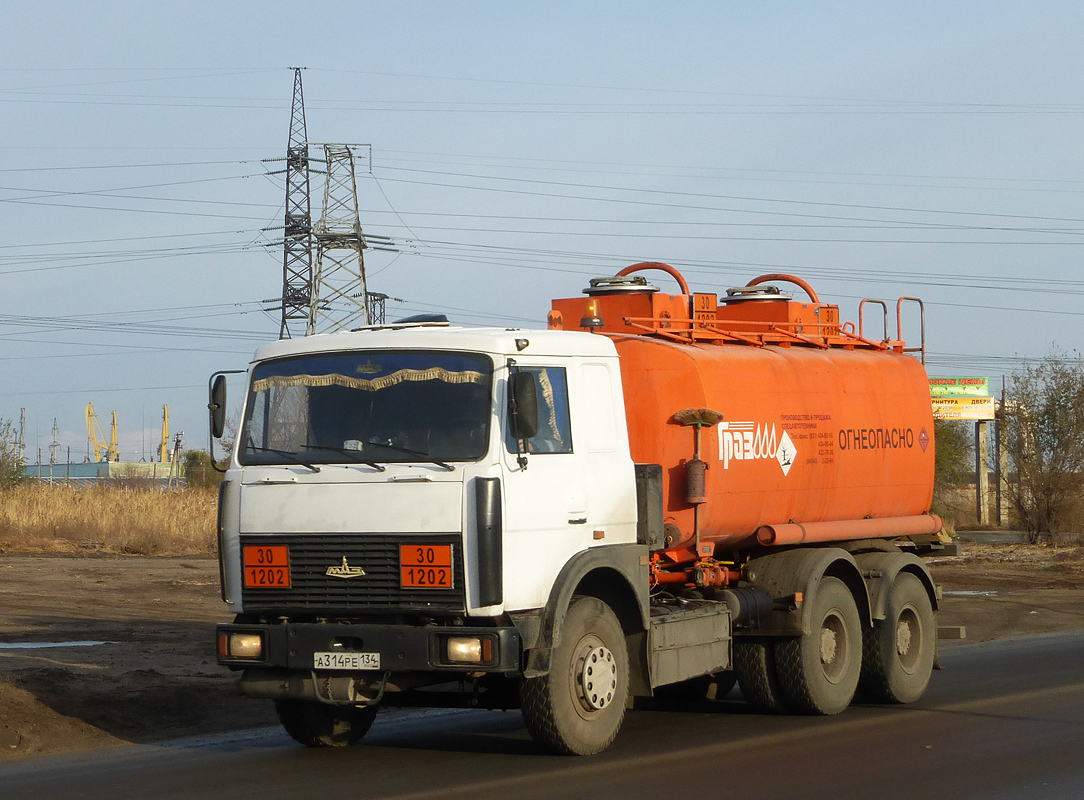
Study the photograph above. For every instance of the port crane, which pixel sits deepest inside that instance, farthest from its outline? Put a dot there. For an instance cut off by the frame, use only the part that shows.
(96, 437)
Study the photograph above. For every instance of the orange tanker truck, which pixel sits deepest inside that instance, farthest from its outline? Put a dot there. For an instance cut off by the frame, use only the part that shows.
(660, 494)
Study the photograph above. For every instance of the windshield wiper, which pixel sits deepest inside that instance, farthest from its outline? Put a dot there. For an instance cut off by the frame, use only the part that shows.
(347, 451)
(428, 458)
(287, 454)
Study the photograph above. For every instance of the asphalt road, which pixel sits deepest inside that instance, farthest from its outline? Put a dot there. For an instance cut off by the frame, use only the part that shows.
(1002, 720)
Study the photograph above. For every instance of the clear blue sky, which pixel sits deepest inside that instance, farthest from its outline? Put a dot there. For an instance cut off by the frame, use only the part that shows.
(519, 149)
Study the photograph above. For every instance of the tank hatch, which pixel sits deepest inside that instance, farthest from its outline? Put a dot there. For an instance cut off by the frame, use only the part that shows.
(619, 284)
(753, 307)
(619, 304)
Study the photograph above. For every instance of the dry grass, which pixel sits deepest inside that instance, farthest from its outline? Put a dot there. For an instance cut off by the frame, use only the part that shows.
(107, 519)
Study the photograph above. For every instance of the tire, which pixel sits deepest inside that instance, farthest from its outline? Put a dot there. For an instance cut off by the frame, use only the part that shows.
(819, 671)
(319, 725)
(899, 650)
(704, 689)
(577, 708)
(754, 665)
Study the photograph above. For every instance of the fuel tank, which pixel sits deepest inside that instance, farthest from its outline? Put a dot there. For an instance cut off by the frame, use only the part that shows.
(806, 435)
(799, 419)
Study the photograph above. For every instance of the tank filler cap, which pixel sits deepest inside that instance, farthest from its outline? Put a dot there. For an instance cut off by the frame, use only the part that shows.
(620, 284)
(742, 294)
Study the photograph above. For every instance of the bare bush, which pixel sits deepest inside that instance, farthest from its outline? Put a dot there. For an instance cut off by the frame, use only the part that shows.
(1045, 435)
(11, 465)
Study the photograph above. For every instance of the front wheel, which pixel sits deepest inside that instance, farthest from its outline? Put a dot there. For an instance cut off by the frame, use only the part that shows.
(577, 708)
(319, 725)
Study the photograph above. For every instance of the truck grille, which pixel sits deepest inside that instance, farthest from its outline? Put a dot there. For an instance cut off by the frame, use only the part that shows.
(312, 589)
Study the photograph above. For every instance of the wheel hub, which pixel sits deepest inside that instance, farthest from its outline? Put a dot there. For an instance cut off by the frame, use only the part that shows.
(829, 645)
(903, 638)
(833, 647)
(909, 639)
(598, 678)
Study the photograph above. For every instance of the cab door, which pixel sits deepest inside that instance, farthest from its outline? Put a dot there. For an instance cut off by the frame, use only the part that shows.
(546, 517)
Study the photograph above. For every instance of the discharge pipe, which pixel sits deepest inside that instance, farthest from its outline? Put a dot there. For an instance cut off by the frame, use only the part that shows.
(848, 530)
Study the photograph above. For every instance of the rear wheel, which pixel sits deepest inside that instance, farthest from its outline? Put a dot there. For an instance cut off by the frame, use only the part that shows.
(899, 650)
(319, 725)
(819, 671)
(754, 665)
(577, 708)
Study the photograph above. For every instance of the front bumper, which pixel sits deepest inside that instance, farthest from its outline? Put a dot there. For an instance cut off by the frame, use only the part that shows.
(402, 648)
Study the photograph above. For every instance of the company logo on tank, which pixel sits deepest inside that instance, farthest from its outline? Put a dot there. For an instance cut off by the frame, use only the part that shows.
(748, 441)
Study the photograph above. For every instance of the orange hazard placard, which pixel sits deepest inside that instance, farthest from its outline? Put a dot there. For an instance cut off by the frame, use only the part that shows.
(425, 566)
(267, 567)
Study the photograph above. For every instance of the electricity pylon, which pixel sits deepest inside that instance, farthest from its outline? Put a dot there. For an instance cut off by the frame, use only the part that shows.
(330, 294)
(339, 296)
(297, 237)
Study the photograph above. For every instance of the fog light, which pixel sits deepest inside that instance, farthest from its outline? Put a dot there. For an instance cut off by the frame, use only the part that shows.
(245, 645)
(465, 649)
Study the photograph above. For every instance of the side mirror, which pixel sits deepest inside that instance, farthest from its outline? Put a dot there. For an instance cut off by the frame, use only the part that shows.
(217, 406)
(523, 405)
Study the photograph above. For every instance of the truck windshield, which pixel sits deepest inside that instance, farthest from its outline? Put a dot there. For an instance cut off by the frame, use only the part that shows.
(368, 407)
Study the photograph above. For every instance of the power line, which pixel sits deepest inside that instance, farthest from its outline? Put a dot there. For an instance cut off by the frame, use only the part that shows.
(700, 169)
(40, 245)
(712, 196)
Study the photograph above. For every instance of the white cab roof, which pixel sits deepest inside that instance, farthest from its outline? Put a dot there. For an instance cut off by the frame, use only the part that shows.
(500, 341)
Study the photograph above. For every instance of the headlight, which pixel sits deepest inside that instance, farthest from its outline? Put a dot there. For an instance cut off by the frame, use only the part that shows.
(240, 645)
(470, 649)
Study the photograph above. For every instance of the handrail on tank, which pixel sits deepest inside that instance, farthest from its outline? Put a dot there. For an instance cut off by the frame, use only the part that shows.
(779, 276)
(848, 333)
(659, 266)
(685, 330)
(776, 328)
(684, 335)
(884, 307)
(922, 324)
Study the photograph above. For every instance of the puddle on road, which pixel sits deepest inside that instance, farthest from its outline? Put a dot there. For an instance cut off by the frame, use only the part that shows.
(46, 645)
(969, 593)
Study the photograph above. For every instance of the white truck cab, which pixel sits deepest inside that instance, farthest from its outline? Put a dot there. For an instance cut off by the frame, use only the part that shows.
(381, 519)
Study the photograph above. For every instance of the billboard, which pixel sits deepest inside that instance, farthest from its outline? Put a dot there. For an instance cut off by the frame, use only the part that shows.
(978, 408)
(959, 387)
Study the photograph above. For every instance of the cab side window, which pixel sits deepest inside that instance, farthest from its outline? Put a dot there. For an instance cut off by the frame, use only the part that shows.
(554, 428)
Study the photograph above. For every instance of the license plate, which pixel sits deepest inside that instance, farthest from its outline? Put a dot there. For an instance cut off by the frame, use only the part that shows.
(346, 660)
(267, 566)
(425, 566)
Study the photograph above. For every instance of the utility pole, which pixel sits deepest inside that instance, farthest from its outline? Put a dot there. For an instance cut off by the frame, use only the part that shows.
(297, 237)
(20, 446)
(52, 451)
(174, 463)
(54, 445)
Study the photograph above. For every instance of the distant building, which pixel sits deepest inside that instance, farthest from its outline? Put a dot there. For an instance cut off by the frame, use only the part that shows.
(91, 471)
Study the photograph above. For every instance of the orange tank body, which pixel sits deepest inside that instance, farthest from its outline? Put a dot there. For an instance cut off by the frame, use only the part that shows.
(807, 435)
(817, 424)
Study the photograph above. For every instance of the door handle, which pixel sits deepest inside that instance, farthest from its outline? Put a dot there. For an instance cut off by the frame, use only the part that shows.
(578, 521)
